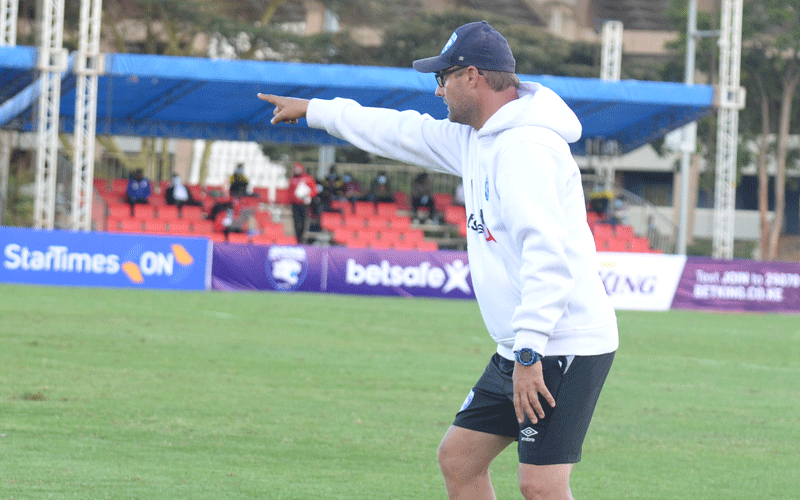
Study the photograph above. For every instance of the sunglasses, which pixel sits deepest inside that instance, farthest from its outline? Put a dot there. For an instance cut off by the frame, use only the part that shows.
(441, 75)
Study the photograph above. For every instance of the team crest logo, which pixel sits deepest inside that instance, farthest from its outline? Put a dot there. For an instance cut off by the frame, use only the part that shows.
(450, 42)
(287, 267)
(468, 401)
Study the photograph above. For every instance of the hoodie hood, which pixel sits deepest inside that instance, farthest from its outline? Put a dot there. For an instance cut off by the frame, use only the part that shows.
(537, 106)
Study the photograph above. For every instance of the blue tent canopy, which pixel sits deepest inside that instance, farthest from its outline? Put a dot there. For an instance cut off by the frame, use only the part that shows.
(183, 97)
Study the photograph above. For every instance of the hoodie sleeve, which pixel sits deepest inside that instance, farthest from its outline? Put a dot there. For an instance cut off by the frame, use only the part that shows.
(532, 195)
(407, 136)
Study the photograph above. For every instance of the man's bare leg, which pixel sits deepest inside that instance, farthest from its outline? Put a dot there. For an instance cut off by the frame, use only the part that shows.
(464, 458)
(545, 482)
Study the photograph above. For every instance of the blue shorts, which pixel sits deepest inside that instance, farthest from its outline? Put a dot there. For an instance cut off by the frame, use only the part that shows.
(575, 383)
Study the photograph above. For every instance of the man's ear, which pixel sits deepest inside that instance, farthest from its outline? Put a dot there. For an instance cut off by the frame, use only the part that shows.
(473, 76)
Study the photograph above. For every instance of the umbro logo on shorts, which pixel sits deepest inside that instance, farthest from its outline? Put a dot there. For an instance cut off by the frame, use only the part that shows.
(528, 433)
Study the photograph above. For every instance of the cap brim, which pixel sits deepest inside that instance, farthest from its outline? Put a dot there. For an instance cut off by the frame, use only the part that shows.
(431, 64)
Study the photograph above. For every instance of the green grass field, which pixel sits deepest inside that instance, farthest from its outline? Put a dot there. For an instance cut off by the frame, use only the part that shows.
(115, 394)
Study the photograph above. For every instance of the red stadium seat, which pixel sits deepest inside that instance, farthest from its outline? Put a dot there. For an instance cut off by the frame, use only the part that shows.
(399, 222)
(442, 200)
(365, 208)
(427, 246)
(376, 222)
(330, 220)
(180, 227)
(640, 245)
(624, 232)
(154, 226)
(192, 212)
(130, 225)
(387, 209)
(167, 212)
(455, 215)
(354, 222)
(617, 245)
(144, 211)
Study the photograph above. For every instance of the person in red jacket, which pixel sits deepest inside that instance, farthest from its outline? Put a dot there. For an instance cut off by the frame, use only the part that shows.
(302, 189)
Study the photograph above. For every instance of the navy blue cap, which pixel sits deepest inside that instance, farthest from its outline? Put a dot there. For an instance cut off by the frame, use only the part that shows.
(474, 44)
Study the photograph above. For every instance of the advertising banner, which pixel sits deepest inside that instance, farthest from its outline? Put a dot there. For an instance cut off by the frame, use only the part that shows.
(640, 281)
(102, 259)
(443, 274)
(739, 285)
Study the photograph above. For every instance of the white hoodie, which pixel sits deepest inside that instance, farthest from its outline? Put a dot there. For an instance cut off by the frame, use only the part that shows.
(531, 253)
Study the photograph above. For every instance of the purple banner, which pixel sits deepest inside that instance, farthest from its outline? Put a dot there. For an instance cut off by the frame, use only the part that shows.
(442, 274)
(739, 285)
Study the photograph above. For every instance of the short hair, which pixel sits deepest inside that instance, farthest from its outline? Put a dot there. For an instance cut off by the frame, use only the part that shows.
(500, 80)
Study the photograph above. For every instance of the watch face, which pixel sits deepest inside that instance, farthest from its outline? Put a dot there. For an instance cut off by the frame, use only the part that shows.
(525, 356)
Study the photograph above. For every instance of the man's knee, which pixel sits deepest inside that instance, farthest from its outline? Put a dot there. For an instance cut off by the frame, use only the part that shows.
(453, 462)
(544, 491)
(546, 482)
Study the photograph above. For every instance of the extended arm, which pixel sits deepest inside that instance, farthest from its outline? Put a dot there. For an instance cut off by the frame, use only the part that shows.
(287, 109)
(406, 136)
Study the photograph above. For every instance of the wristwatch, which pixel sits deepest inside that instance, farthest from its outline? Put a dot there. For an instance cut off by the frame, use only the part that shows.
(527, 356)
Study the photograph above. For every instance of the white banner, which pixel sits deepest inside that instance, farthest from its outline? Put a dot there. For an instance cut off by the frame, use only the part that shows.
(641, 281)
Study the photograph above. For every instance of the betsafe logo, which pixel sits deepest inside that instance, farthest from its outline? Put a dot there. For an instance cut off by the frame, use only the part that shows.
(138, 264)
(453, 276)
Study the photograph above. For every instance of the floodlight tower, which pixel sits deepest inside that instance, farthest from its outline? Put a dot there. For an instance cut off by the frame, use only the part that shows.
(52, 62)
(8, 38)
(611, 55)
(730, 99)
(88, 65)
(610, 71)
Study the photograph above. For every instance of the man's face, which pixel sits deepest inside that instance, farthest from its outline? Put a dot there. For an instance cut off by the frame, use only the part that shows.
(452, 93)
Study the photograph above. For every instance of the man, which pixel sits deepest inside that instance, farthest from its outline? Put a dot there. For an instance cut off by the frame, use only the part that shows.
(179, 195)
(138, 190)
(302, 189)
(531, 254)
(238, 182)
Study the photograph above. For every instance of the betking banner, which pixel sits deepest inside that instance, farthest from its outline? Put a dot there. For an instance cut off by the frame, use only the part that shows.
(739, 285)
(443, 274)
(102, 259)
(639, 281)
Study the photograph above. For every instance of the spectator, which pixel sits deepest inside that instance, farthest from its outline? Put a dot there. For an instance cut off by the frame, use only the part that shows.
(333, 184)
(228, 218)
(380, 189)
(177, 194)
(302, 189)
(353, 191)
(422, 196)
(239, 183)
(139, 190)
(600, 202)
(330, 188)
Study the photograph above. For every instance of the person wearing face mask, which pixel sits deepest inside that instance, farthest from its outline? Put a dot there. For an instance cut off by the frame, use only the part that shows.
(177, 194)
(302, 190)
(380, 189)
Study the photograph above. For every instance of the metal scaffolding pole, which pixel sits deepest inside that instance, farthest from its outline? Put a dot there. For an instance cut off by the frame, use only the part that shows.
(52, 61)
(8, 22)
(610, 71)
(5, 162)
(88, 66)
(611, 55)
(8, 38)
(730, 99)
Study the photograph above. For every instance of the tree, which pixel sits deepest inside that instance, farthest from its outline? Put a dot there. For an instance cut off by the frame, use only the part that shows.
(771, 37)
